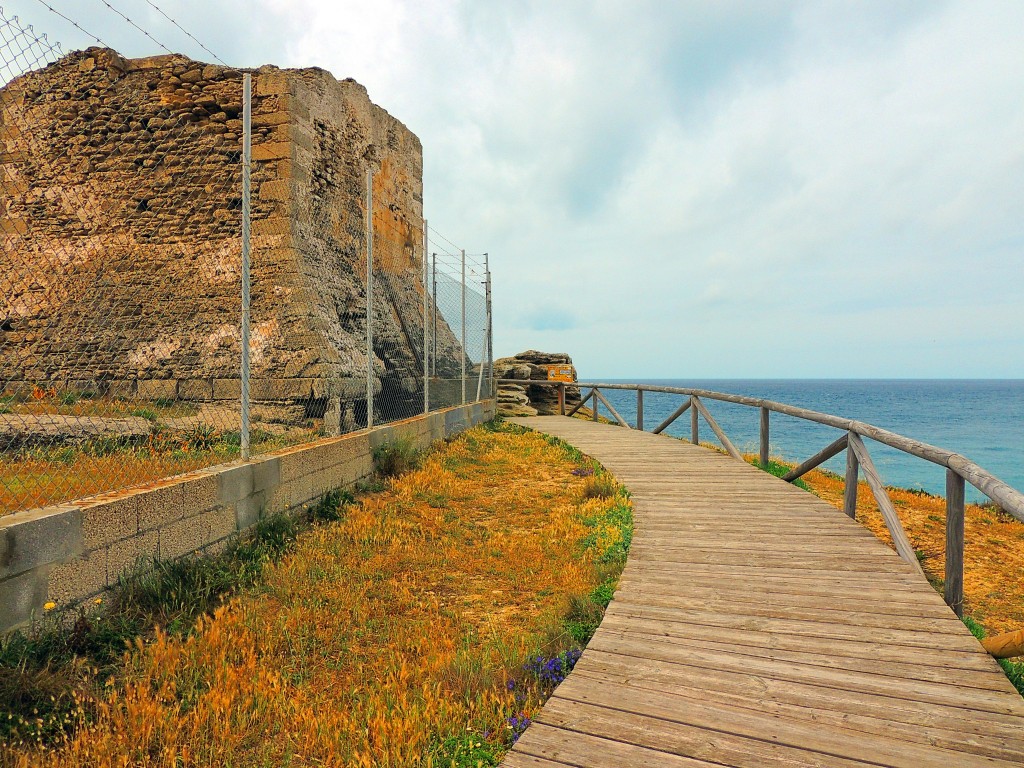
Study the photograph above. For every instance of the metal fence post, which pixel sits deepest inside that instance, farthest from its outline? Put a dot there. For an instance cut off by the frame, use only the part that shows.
(463, 326)
(426, 347)
(486, 351)
(489, 330)
(246, 244)
(369, 298)
(433, 330)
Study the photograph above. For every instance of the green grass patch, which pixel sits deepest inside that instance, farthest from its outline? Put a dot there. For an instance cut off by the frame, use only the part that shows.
(469, 750)
(396, 457)
(780, 469)
(1014, 669)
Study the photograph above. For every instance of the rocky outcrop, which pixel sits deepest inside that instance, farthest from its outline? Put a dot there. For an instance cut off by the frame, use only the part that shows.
(531, 400)
(121, 246)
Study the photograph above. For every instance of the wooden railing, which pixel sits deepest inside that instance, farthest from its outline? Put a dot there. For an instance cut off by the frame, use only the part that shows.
(959, 469)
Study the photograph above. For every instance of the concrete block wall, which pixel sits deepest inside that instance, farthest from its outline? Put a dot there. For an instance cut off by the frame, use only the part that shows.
(72, 553)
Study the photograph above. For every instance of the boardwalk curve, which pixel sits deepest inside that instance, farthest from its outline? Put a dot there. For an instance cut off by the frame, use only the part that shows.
(756, 625)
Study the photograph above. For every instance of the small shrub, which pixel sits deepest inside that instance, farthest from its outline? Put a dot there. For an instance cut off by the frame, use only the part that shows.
(583, 618)
(331, 507)
(602, 486)
(164, 402)
(465, 751)
(201, 437)
(145, 413)
(396, 457)
(68, 398)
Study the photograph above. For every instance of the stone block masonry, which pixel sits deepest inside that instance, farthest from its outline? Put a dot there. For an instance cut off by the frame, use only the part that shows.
(120, 221)
(74, 552)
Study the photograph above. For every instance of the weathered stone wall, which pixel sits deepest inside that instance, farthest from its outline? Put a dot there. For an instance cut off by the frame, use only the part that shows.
(73, 552)
(120, 218)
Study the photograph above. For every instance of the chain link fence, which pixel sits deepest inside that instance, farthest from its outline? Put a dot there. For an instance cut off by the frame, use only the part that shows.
(459, 356)
(123, 220)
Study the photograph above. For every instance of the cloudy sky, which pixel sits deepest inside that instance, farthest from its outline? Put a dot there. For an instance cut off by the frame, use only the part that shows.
(688, 189)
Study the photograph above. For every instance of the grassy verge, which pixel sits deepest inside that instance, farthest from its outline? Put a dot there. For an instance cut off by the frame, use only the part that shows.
(43, 475)
(424, 626)
(52, 677)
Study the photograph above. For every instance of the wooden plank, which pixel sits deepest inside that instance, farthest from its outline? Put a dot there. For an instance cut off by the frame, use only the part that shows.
(622, 670)
(737, 736)
(820, 653)
(726, 443)
(824, 629)
(756, 625)
(871, 714)
(856, 649)
(667, 731)
(522, 760)
(644, 650)
(582, 749)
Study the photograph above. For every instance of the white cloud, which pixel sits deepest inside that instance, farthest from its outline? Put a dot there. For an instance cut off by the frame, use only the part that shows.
(718, 189)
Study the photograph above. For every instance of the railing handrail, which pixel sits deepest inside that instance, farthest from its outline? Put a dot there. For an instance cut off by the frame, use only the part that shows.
(1006, 496)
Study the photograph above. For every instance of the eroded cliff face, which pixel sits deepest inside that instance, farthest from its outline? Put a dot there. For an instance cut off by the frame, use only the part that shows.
(121, 248)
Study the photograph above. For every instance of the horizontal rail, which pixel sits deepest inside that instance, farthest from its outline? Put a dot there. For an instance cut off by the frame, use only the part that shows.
(1008, 498)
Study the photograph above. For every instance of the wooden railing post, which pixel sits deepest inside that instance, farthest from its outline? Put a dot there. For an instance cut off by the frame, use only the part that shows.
(640, 409)
(850, 490)
(694, 428)
(764, 438)
(954, 582)
(593, 405)
(561, 399)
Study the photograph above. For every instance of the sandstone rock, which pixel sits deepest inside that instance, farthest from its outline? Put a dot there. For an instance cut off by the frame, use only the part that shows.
(528, 365)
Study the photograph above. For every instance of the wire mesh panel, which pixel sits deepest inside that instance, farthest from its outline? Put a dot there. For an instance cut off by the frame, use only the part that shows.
(450, 366)
(120, 268)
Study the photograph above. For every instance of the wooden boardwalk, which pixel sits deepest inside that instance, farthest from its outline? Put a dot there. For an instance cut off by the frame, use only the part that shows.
(755, 625)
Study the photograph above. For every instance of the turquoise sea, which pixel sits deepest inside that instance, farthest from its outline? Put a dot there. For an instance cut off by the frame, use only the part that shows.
(981, 419)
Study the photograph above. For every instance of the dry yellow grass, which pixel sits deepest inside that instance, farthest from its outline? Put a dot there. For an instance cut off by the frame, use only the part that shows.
(376, 637)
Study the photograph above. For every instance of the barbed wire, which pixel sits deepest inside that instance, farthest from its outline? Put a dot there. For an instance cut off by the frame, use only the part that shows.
(188, 34)
(71, 21)
(132, 23)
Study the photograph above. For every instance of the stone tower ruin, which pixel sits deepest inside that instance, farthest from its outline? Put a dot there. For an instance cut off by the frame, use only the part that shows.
(121, 245)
